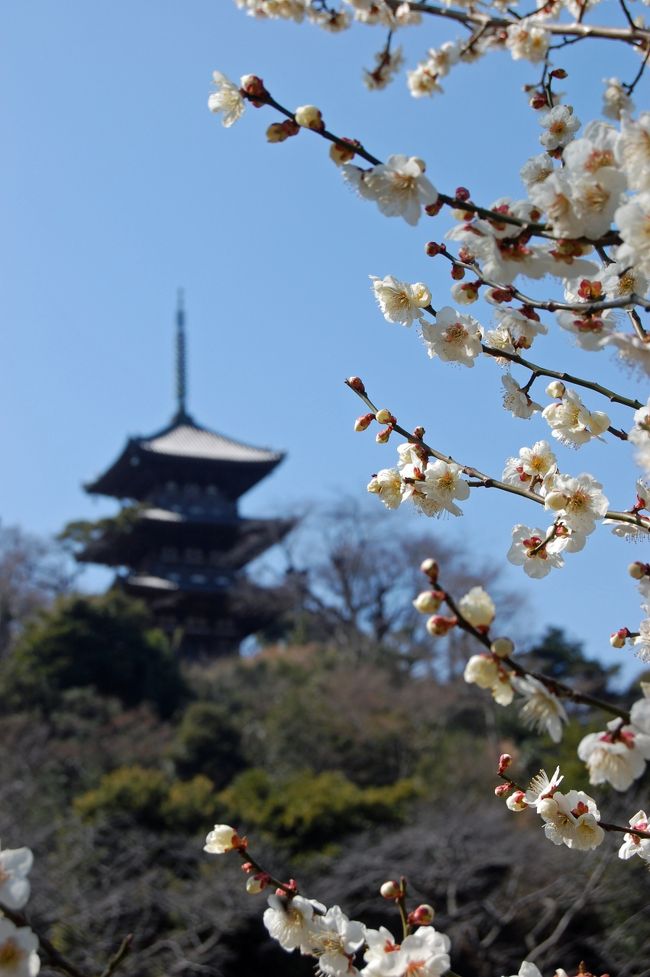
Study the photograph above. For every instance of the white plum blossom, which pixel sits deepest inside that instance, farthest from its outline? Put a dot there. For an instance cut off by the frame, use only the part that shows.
(560, 125)
(517, 400)
(335, 940)
(633, 221)
(291, 921)
(542, 710)
(221, 839)
(572, 820)
(455, 337)
(639, 436)
(591, 331)
(526, 40)
(399, 301)
(398, 187)
(528, 969)
(227, 99)
(443, 483)
(632, 843)
(633, 150)
(478, 608)
(571, 422)
(617, 757)
(542, 787)
(424, 953)
(530, 466)
(15, 866)
(486, 672)
(579, 502)
(616, 99)
(387, 484)
(386, 69)
(522, 326)
(536, 170)
(530, 551)
(18, 946)
(642, 641)
(633, 351)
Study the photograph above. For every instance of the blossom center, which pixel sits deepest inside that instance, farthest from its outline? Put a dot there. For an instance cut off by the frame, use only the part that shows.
(10, 953)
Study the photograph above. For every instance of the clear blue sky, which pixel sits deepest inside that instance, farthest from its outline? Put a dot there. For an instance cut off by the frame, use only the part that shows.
(118, 186)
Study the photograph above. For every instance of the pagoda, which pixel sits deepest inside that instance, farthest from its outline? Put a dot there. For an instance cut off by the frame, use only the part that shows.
(179, 540)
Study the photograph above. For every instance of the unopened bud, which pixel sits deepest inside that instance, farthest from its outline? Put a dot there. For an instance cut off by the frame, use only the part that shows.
(439, 625)
(429, 601)
(638, 570)
(457, 273)
(357, 384)
(363, 422)
(504, 762)
(342, 154)
(276, 132)
(384, 416)
(618, 638)
(309, 117)
(462, 193)
(516, 801)
(559, 73)
(433, 209)
(254, 884)
(422, 915)
(502, 647)
(381, 437)
(432, 248)
(390, 890)
(418, 432)
(253, 86)
(502, 790)
(538, 101)
(431, 568)
(247, 867)
(556, 389)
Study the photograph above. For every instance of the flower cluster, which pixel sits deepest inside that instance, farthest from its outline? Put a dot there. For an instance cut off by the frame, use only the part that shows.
(18, 944)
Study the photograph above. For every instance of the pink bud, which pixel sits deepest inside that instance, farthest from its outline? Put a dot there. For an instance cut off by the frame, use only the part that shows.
(421, 916)
(502, 790)
(357, 384)
(431, 568)
(363, 422)
(390, 890)
(504, 762)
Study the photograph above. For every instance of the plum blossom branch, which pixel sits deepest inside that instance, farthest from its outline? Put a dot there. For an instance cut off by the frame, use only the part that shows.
(55, 958)
(261, 96)
(636, 36)
(483, 480)
(553, 685)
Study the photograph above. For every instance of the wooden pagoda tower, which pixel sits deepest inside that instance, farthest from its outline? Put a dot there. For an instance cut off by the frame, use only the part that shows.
(179, 540)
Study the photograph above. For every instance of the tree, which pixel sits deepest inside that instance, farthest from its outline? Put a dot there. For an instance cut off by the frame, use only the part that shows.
(105, 642)
(33, 572)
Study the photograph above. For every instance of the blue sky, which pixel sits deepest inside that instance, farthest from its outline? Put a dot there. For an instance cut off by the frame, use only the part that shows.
(118, 186)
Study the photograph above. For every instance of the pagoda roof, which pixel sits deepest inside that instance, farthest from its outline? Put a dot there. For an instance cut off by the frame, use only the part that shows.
(185, 451)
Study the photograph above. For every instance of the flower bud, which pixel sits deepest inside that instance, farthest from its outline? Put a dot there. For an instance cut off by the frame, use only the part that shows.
(253, 86)
(254, 884)
(439, 625)
(556, 389)
(342, 154)
(418, 432)
(481, 670)
(390, 890)
(382, 436)
(309, 117)
(618, 638)
(432, 249)
(457, 273)
(357, 384)
(638, 570)
(502, 790)
(462, 193)
(502, 647)
(422, 915)
(384, 416)
(465, 293)
(504, 762)
(559, 73)
(516, 801)
(222, 839)
(276, 132)
(433, 209)
(431, 568)
(363, 422)
(429, 601)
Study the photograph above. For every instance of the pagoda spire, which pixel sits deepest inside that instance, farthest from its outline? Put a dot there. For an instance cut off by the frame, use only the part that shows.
(181, 363)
